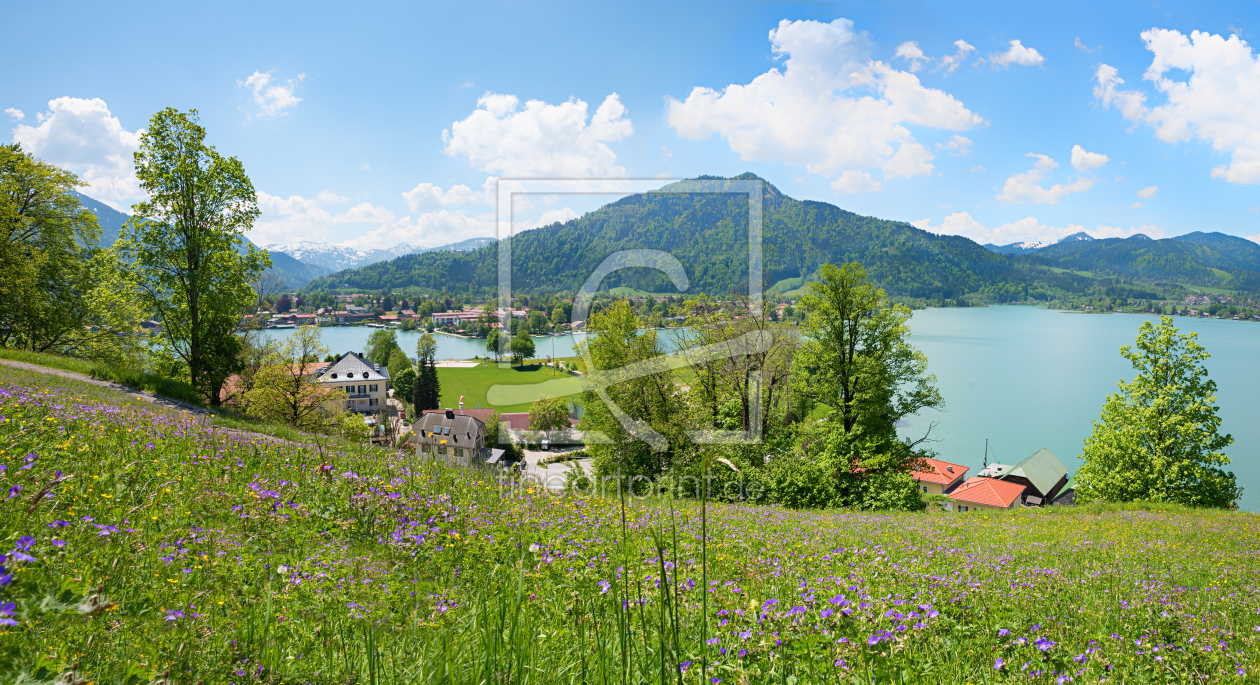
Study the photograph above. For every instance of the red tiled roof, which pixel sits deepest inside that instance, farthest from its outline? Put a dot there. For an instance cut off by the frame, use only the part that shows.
(938, 471)
(990, 491)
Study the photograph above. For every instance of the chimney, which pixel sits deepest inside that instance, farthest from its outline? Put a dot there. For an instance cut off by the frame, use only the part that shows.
(461, 403)
(450, 413)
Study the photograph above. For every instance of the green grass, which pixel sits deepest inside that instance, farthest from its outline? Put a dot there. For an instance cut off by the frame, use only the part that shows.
(787, 285)
(140, 380)
(1208, 289)
(475, 383)
(214, 559)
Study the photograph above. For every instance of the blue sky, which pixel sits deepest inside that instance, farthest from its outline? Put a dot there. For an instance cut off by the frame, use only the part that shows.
(373, 125)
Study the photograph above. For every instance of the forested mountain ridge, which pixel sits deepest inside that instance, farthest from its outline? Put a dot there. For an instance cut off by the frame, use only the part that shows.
(708, 233)
(1195, 258)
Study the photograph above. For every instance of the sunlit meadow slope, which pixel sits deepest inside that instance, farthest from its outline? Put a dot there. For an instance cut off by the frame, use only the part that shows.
(141, 542)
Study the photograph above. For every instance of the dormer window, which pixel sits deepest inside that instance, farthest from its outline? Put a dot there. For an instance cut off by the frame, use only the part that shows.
(334, 376)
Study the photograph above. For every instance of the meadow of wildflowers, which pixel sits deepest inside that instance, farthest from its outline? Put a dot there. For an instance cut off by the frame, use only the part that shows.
(141, 543)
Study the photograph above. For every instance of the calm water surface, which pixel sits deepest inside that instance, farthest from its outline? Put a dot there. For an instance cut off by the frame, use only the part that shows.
(1021, 377)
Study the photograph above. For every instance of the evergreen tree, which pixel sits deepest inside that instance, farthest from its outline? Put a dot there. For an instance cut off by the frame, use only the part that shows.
(1157, 438)
(427, 391)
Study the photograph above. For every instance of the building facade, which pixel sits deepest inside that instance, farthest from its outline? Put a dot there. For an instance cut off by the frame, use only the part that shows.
(457, 437)
(365, 384)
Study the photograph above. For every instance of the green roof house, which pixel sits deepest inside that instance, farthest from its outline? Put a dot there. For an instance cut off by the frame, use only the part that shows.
(1042, 474)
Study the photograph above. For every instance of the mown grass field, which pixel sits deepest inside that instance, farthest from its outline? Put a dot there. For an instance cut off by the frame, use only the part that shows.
(142, 544)
(473, 383)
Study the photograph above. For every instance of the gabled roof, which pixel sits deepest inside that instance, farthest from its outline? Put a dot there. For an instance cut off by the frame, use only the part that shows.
(352, 366)
(990, 491)
(1042, 469)
(462, 431)
(937, 471)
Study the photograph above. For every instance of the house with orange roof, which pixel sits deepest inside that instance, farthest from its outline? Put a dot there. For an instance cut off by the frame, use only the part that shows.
(986, 493)
(938, 477)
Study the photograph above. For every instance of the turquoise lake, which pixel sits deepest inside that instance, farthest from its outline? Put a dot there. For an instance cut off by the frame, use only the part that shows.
(1023, 378)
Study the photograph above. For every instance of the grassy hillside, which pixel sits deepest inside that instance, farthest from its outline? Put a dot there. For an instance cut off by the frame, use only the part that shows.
(146, 543)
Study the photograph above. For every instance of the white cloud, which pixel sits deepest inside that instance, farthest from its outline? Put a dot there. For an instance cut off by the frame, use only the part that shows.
(949, 63)
(428, 196)
(1081, 46)
(958, 146)
(831, 109)
(911, 52)
(1017, 54)
(855, 182)
(274, 98)
(1085, 161)
(1135, 205)
(976, 169)
(1254, 238)
(297, 218)
(1149, 230)
(433, 228)
(17, 114)
(1148, 192)
(1218, 102)
(1025, 187)
(1028, 229)
(547, 218)
(83, 136)
(540, 140)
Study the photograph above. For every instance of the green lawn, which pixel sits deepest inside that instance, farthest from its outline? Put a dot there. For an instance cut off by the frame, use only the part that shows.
(475, 383)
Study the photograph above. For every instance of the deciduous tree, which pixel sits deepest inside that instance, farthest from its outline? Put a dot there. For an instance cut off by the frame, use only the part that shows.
(185, 245)
(1159, 437)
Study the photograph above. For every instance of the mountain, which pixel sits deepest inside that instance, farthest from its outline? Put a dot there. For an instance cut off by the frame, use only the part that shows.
(294, 272)
(1211, 259)
(110, 219)
(337, 257)
(707, 232)
(1035, 245)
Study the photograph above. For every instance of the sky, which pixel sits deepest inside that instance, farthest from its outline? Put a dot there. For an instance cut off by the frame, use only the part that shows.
(369, 125)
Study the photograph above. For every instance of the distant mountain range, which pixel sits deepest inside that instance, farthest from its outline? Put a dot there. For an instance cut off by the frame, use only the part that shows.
(1196, 258)
(1031, 247)
(296, 263)
(338, 257)
(707, 233)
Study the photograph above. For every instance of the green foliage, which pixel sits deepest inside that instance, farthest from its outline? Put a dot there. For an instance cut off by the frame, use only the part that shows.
(427, 391)
(184, 246)
(549, 413)
(381, 345)
(1158, 437)
(494, 342)
(60, 293)
(285, 391)
(650, 400)
(522, 346)
(398, 362)
(407, 325)
(404, 384)
(797, 482)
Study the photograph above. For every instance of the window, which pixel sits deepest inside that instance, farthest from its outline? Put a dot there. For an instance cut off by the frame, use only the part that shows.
(372, 402)
(362, 389)
(334, 376)
(925, 488)
(372, 387)
(962, 508)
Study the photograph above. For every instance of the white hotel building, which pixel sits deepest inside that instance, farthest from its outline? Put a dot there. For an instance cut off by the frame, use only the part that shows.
(365, 383)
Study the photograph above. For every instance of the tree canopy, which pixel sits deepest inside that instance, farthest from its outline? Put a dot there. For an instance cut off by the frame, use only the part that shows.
(185, 248)
(1159, 438)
